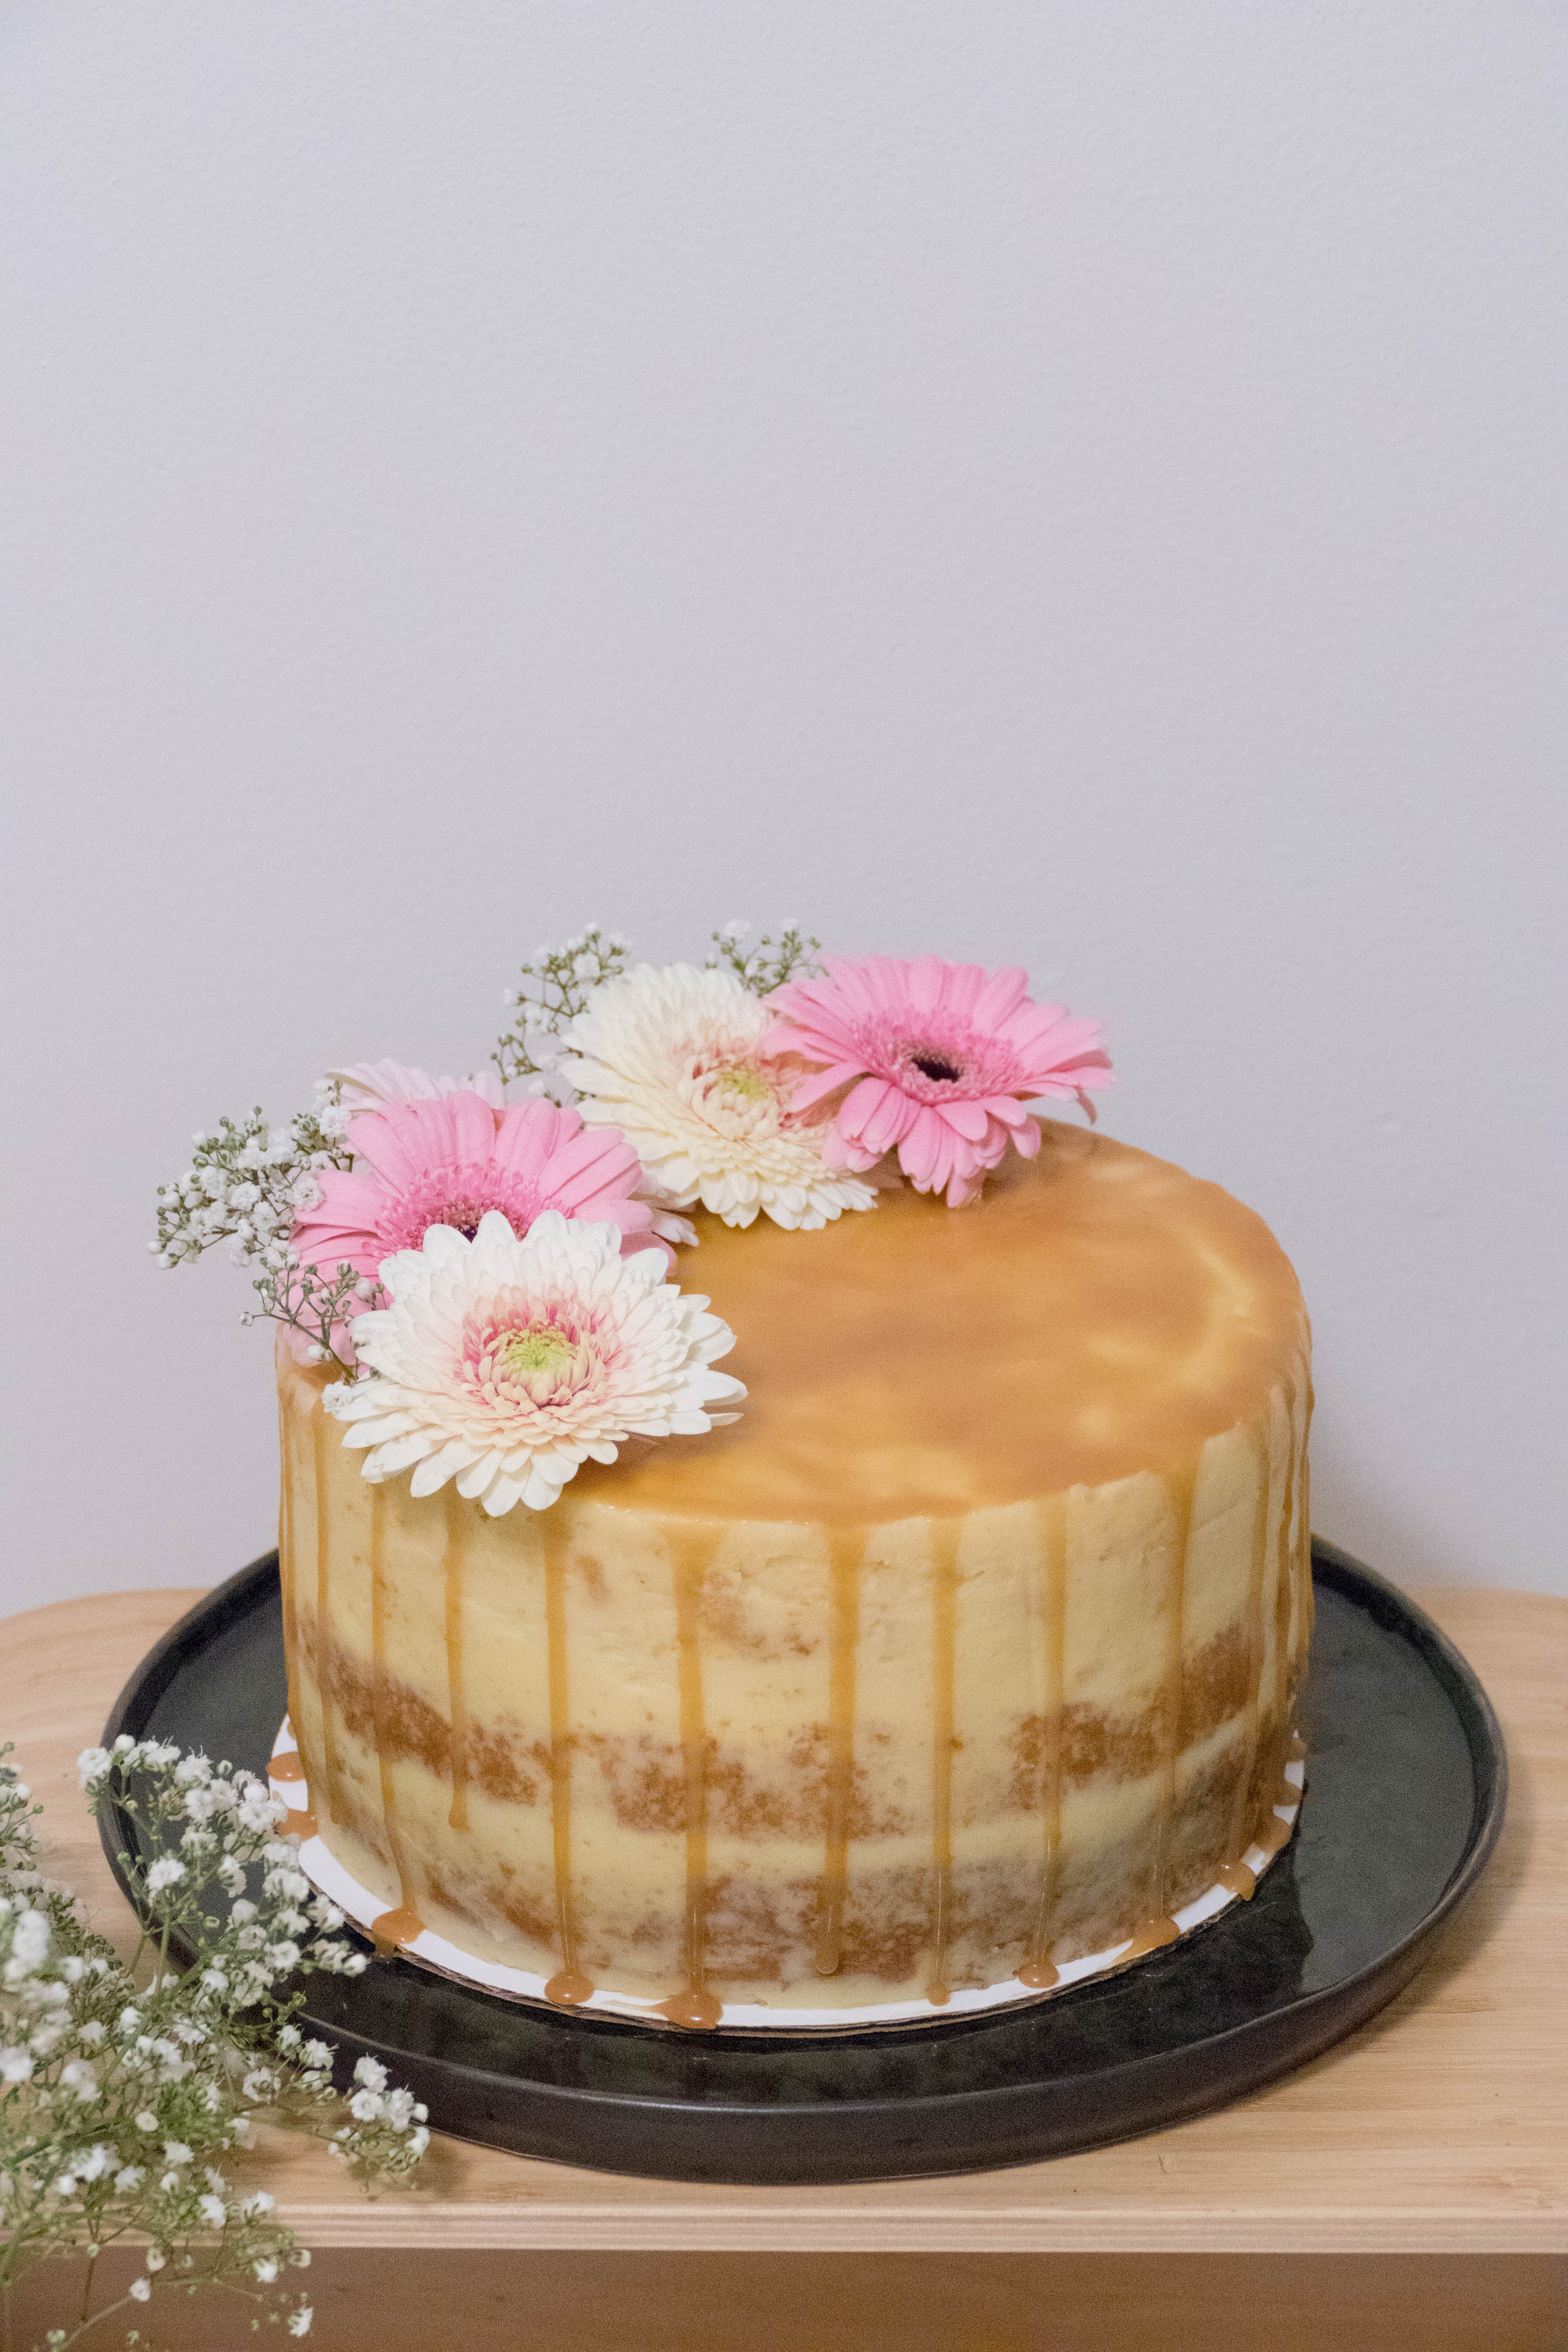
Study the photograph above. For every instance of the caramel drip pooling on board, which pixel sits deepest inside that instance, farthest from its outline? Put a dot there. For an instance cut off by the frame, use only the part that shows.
(288, 1767)
(402, 1923)
(694, 1551)
(945, 1535)
(1039, 1972)
(391, 1928)
(331, 1755)
(846, 1550)
(457, 1704)
(568, 1984)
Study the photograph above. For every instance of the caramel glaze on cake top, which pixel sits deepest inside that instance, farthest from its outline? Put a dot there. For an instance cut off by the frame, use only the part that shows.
(1100, 1312)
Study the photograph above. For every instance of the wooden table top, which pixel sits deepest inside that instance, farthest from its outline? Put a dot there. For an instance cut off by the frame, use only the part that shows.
(1440, 2127)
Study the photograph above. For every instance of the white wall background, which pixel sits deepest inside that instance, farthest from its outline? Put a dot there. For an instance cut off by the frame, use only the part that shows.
(1073, 484)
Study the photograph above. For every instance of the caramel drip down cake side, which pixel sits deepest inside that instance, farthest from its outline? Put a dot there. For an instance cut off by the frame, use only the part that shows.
(702, 1755)
(698, 1762)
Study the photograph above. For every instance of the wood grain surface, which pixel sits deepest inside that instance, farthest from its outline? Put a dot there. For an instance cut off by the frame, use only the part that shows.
(1440, 2127)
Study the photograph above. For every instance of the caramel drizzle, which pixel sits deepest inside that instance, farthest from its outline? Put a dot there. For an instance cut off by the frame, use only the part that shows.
(846, 1550)
(1160, 1928)
(569, 1984)
(1309, 1609)
(288, 1769)
(331, 1756)
(402, 1923)
(286, 1566)
(696, 2005)
(456, 1707)
(944, 1616)
(1238, 1838)
(1039, 1972)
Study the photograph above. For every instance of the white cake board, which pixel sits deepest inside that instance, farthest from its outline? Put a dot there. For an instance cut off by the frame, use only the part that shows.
(433, 1951)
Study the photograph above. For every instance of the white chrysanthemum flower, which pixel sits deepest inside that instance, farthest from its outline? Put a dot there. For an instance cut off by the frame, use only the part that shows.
(506, 1363)
(670, 1056)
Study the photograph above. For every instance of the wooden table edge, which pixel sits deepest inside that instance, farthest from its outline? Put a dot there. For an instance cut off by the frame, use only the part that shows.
(758, 2229)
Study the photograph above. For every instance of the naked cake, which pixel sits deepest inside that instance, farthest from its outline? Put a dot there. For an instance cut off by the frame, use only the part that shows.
(950, 1633)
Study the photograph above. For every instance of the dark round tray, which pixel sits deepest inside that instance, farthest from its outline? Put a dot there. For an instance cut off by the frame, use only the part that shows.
(1406, 1778)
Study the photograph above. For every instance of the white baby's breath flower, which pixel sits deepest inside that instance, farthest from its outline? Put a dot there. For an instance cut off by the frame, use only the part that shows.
(299, 2321)
(672, 1056)
(371, 2072)
(213, 2211)
(165, 1872)
(29, 1944)
(507, 1363)
(16, 2064)
(91, 1765)
(140, 2290)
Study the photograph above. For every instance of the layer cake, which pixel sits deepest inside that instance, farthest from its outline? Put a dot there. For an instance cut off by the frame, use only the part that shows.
(970, 1648)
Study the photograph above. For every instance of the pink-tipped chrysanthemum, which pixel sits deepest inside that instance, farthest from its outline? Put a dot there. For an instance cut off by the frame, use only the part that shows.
(506, 1364)
(938, 1059)
(447, 1160)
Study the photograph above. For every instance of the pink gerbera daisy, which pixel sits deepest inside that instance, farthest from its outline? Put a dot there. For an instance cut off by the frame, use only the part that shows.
(446, 1161)
(943, 1055)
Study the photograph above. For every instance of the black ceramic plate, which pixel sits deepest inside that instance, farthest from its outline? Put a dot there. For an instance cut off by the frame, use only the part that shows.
(1406, 1784)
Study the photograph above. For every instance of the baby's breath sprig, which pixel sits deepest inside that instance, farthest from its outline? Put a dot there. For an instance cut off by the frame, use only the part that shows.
(556, 985)
(771, 963)
(123, 2089)
(246, 1186)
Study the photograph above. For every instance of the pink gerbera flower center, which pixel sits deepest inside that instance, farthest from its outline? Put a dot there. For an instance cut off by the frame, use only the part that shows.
(458, 1196)
(937, 1064)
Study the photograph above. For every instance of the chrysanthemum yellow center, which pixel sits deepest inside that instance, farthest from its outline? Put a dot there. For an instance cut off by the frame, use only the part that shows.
(542, 1348)
(747, 1084)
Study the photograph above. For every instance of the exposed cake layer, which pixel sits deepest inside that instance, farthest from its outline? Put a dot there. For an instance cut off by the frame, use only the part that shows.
(682, 1736)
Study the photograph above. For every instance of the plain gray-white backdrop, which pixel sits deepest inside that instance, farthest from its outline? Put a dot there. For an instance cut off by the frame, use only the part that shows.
(1077, 485)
